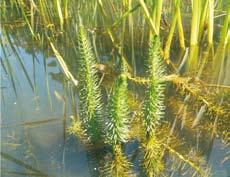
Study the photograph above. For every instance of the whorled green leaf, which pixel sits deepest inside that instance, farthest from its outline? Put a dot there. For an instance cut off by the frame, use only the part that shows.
(154, 106)
(116, 164)
(153, 110)
(90, 106)
(152, 161)
(118, 112)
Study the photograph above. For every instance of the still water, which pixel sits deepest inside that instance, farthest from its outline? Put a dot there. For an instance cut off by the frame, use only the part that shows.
(32, 122)
(34, 141)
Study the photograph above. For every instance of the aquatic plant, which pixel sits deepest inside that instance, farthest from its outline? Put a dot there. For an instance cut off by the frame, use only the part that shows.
(176, 19)
(148, 17)
(118, 127)
(108, 23)
(152, 160)
(153, 110)
(90, 106)
(154, 106)
(116, 164)
(76, 129)
(222, 50)
(118, 112)
(180, 25)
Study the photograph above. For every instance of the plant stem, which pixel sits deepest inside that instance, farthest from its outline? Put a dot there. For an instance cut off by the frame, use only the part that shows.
(148, 17)
(210, 21)
(170, 36)
(158, 15)
(180, 26)
(195, 23)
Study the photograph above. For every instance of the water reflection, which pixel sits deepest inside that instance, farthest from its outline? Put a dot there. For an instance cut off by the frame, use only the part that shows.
(32, 136)
(34, 120)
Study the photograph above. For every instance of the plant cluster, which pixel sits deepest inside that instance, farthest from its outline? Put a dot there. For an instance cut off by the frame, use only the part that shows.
(115, 27)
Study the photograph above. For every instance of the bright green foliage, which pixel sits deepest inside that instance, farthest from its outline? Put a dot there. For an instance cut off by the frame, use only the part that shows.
(154, 107)
(90, 106)
(153, 110)
(118, 112)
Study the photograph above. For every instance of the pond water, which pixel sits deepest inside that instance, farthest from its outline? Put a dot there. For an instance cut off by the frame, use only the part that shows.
(39, 100)
(33, 132)
(34, 140)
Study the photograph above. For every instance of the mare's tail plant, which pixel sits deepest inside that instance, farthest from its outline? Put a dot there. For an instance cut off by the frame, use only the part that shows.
(116, 165)
(90, 106)
(117, 126)
(153, 110)
(154, 106)
(118, 112)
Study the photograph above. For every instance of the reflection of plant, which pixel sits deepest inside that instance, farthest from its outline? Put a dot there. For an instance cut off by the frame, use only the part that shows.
(90, 106)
